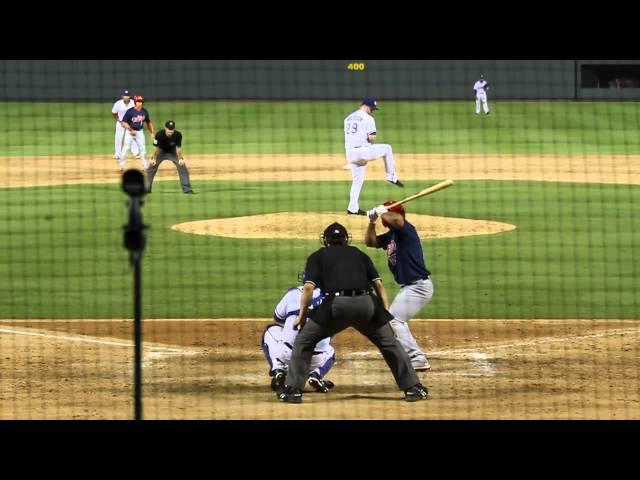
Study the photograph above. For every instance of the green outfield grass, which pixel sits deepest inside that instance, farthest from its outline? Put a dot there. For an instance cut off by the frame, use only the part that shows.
(316, 127)
(572, 254)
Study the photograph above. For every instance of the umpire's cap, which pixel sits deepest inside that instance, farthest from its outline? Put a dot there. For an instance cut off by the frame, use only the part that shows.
(170, 125)
(371, 103)
(335, 233)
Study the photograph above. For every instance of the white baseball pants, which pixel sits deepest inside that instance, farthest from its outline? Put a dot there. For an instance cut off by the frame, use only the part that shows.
(358, 158)
(277, 342)
(407, 303)
(481, 98)
(119, 136)
(140, 140)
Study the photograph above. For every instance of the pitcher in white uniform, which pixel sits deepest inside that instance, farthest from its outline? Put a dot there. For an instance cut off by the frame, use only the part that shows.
(481, 87)
(359, 137)
(117, 112)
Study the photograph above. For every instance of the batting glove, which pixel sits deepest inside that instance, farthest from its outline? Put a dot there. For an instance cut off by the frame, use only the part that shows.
(380, 209)
(373, 216)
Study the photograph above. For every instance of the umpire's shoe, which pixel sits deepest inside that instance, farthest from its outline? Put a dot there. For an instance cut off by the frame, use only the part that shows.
(277, 382)
(290, 395)
(320, 385)
(415, 393)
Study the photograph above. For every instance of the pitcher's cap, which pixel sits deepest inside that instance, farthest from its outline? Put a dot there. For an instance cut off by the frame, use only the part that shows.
(370, 102)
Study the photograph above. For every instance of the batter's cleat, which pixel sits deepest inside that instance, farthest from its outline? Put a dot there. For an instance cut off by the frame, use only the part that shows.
(290, 395)
(397, 183)
(420, 365)
(320, 385)
(415, 393)
(277, 382)
(359, 212)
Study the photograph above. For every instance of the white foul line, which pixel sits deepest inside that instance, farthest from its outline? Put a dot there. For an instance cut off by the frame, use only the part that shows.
(153, 351)
(538, 341)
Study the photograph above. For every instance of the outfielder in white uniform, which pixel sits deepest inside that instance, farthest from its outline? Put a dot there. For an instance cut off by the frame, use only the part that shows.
(359, 137)
(277, 343)
(118, 111)
(481, 87)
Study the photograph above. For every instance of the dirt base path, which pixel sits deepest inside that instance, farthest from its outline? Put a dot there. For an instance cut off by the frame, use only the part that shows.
(40, 171)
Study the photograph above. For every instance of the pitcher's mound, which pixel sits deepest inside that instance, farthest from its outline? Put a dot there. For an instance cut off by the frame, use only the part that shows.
(309, 226)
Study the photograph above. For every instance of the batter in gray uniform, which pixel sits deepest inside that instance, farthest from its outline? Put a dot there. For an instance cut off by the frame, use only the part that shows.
(168, 144)
(345, 274)
(406, 262)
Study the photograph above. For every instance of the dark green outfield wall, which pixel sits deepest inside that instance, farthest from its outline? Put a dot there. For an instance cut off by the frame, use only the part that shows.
(296, 79)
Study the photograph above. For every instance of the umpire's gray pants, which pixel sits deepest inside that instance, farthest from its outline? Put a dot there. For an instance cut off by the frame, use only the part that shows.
(182, 171)
(353, 312)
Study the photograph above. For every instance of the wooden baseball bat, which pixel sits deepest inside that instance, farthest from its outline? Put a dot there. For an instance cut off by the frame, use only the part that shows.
(426, 191)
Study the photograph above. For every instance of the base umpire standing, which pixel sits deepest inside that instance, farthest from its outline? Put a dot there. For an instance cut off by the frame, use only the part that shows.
(168, 144)
(345, 274)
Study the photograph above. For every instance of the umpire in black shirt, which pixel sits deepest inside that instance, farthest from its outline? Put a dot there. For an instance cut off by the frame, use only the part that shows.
(168, 144)
(346, 275)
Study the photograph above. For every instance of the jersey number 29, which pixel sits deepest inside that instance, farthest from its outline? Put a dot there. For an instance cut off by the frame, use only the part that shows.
(351, 128)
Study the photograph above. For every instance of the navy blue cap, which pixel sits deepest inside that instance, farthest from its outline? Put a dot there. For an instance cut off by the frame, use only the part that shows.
(370, 102)
(126, 93)
(170, 124)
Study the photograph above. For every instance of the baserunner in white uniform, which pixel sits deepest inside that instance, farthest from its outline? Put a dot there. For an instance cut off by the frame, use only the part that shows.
(117, 112)
(481, 87)
(359, 137)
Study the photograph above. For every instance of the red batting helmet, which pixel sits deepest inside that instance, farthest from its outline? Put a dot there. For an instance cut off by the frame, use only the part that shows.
(138, 98)
(397, 208)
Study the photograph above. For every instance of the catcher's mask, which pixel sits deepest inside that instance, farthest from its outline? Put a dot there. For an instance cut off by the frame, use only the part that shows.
(396, 208)
(335, 234)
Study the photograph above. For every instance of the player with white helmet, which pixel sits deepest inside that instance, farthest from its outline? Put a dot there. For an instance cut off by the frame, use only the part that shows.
(277, 342)
(117, 112)
(359, 137)
(480, 88)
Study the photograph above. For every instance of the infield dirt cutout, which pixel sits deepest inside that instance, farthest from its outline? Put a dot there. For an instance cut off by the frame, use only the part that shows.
(215, 369)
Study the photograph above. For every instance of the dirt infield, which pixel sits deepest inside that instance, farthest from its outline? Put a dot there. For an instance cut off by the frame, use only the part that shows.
(214, 369)
(53, 170)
